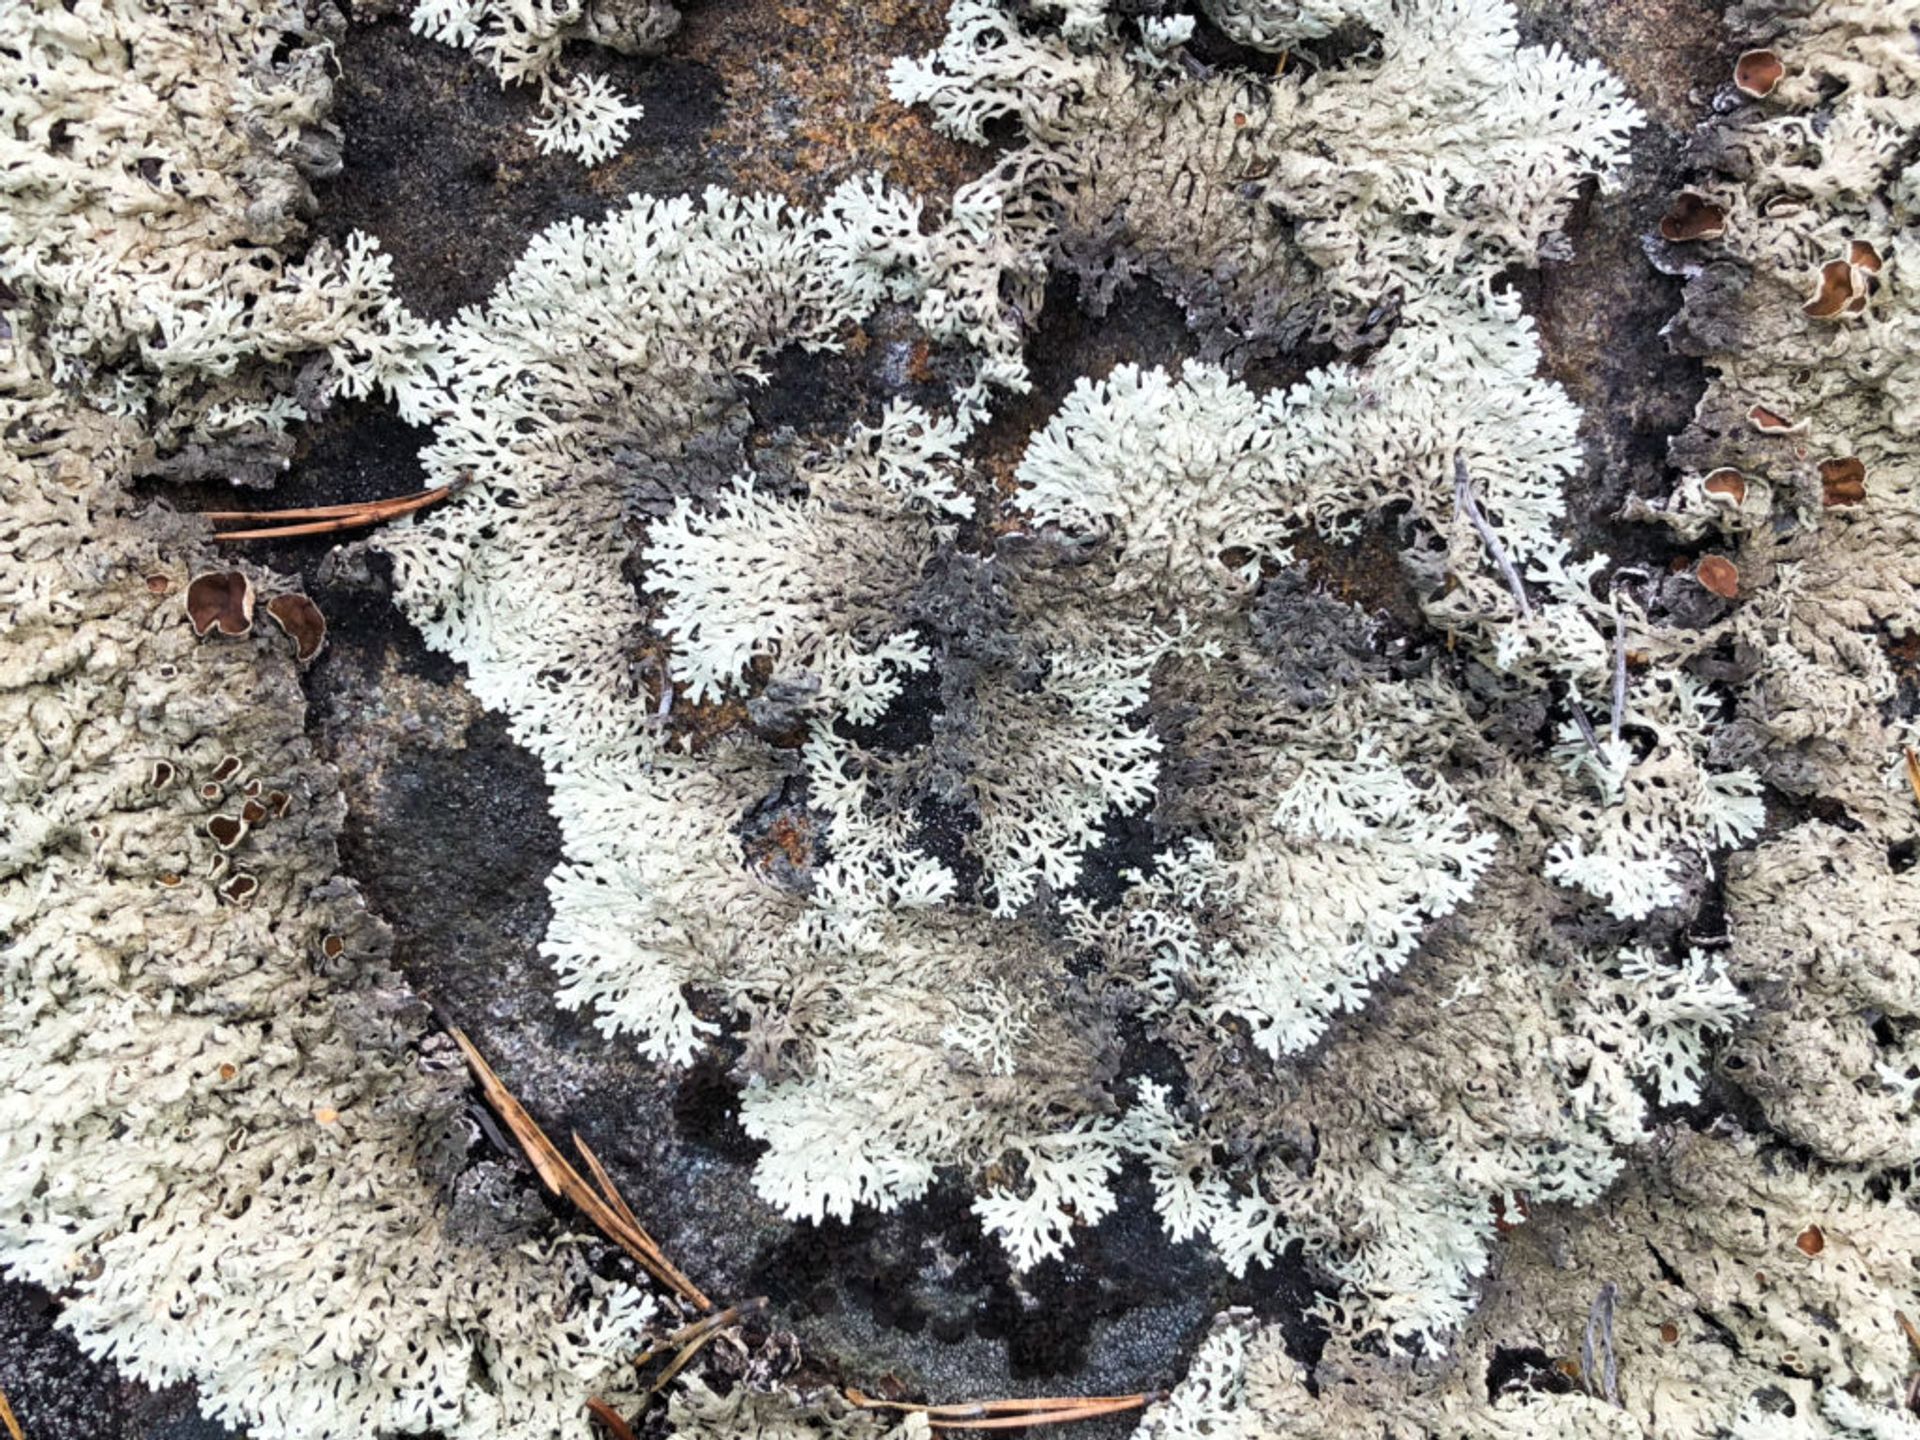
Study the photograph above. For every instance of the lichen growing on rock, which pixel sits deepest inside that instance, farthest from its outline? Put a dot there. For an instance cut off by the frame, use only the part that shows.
(524, 43)
(1427, 943)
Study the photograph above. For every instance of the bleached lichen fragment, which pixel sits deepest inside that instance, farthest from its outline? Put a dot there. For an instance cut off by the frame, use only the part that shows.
(585, 117)
(1829, 933)
(895, 1037)
(1743, 1334)
(1279, 24)
(1289, 205)
(140, 234)
(697, 1412)
(523, 42)
(1660, 814)
(1329, 862)
(812, 585)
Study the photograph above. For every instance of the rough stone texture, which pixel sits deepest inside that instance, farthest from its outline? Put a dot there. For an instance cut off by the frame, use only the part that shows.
(448, 825)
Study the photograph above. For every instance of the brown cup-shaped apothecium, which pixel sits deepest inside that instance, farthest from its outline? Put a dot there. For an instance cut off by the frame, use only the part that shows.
(1838, 287)
(301, 619)
(1717, 573)
(1843, 481)
(1692, 217)
(1728, 483)
(1756, 72)
(220, 601)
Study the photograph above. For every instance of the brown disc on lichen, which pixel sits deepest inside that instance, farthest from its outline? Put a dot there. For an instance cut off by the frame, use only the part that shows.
(301, 619)
(227, 830)
(161, 775)
(1756, 72)
(1811, 1240)
(1692, 217)
(220, 600)
(1716, 572)
(1838, 288)
(159, 584)
(1843, 481)
(1772, 422)
(1728, 483)
(240, 889)
(1862, 256)
(1669, 1333)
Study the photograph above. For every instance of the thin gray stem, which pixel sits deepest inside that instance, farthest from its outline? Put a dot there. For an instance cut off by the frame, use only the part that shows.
(1619, 673)
(1468, 506)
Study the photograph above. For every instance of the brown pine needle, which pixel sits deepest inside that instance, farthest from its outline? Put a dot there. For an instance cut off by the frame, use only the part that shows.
(697, 1332)
(1038, 1417)
(322, 519)
(609, 1417)
(6, 1418)
(1907, 1326)
(563, 1180)
(607, 1187)
(327, 512)
(1010, 1414)
(1913, 773)
(708, 1328)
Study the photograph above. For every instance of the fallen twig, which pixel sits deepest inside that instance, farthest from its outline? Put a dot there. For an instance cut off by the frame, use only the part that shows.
(7, 1419)
(321, 519)
(562, 1179)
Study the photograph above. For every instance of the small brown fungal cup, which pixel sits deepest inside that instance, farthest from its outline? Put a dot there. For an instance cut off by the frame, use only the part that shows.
(1772, 422)
(301, 619)
(220, 601)
(1728, 483)
(1717, 573)
(227, 830)
(1838, 288)
(1757, 72)
(1843, 481)
(1692, 217)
